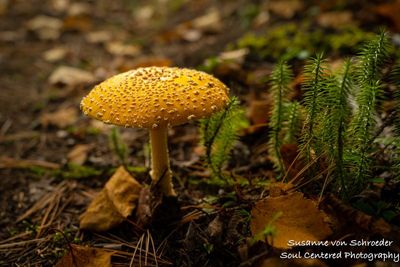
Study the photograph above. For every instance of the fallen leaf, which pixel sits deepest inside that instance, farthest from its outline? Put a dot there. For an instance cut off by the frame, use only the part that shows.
(113, 204)
(191, 35)
(79, 9)
(100, 215)
(47, 28)
(55, 54)
(144, 12)
(194, 29)
(261, 19)
(300, 219)
(120, 49)
(236, 56)
(61, 118)
(78, 154)
(210, 22)
(71, 77)
(98, 37)
(123, 191)
(59, 5)
(285, 8)
(336, 19)
(81, 256)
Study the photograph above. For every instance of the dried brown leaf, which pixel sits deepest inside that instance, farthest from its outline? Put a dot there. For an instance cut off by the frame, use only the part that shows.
(120, 49)
(71, 77)
(47, 28)
(123, 191)
(85, 257)
(113, 204)
(79, 153)
(285, 8)
(236, 56)
(210, 22)
(79, 9)
(59, 5)
(61, 118)
(101, 214)
(55, 54)
(336, 19)
(98, 37)
(300, 219)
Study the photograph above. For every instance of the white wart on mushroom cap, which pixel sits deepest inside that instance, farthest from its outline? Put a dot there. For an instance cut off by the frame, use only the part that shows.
(154, 96)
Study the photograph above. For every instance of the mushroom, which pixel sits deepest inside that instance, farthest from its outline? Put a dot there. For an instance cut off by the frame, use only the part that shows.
(156, 98)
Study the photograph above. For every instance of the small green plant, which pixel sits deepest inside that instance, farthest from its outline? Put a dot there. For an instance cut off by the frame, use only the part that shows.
(75, 171)
(313, 86)
(368, 75)
(291, 125)
(337, 118)
(280, 79)
(336, 135)
(219, 134)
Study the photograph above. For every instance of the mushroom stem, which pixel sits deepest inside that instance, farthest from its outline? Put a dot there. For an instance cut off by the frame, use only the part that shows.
(160, 160)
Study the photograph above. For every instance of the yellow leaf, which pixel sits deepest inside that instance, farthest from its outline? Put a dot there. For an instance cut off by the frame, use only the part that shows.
(85, 257)
(123, 191)
(101, 214)
(113, 204)
(79, 153)
(61, 118)
(300, 219)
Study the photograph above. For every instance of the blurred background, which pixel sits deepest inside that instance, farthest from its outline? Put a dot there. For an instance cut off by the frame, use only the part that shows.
(53, 48)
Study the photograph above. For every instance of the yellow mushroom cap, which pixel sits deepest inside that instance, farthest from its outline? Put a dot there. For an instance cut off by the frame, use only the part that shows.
(153, 96)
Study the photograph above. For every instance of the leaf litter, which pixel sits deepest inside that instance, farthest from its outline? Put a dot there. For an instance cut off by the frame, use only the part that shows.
(292, 216)
(85, 257)
(115, 202)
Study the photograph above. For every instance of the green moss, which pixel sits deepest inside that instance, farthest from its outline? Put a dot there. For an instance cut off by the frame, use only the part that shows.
(300, 41)
(75, 171)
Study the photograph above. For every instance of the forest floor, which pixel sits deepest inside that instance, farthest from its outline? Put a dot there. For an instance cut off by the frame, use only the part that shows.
(53, 159)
